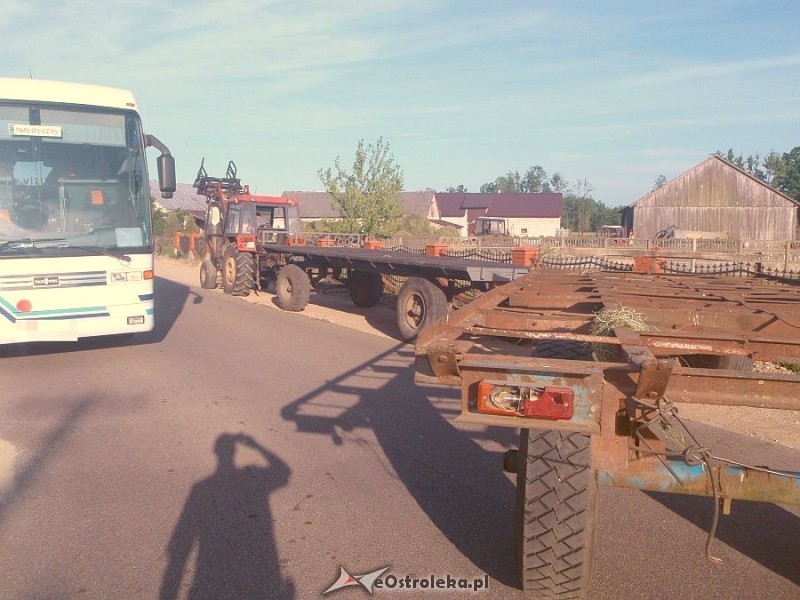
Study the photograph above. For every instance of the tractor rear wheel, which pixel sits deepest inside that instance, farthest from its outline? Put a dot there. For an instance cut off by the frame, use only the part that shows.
(419, 303)
(365, 288)
(208, 275)
(238, 272)
(556, 513)
(293, 288)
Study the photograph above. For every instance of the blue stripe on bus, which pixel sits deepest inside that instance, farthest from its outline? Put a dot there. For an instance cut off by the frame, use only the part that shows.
(7, 314)
(13, 314)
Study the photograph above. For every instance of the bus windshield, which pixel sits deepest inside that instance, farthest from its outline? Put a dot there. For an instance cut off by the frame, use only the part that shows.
(72, 178)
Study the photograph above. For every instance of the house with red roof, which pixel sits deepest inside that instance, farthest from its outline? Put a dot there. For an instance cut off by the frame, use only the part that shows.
(524, 215)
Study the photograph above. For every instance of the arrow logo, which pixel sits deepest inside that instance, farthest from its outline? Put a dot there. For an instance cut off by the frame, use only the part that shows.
(346, 580)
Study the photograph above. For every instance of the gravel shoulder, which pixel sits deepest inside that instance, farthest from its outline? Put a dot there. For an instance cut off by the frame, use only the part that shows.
(334, 305)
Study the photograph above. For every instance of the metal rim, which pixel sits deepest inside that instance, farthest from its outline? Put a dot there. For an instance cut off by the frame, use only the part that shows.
(230, 270)
(414, 309)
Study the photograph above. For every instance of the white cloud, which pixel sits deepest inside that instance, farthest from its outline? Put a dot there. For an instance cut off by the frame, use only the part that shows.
(707, 71)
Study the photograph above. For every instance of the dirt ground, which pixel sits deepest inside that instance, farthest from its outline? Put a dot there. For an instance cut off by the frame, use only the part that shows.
(775, 426)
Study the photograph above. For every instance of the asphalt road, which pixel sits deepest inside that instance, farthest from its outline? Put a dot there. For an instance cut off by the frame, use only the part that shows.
(242, 452)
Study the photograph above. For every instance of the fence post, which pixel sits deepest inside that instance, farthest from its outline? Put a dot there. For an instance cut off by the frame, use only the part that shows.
(786, 256)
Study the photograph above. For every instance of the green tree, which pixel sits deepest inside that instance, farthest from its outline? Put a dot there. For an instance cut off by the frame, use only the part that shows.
(534, 181)
(751, 164)
(558, 183)
(775, 168)
(660, 181)
(788, 181)
(366, 197)
(459, 189)
(159, 218)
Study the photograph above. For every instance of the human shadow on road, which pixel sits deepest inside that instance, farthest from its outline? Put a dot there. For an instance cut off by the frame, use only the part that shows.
(457, 483)
(227, 521)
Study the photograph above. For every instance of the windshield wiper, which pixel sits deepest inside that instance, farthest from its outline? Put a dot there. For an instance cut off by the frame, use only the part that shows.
(28, 242)
(60, 243)
(97, 250)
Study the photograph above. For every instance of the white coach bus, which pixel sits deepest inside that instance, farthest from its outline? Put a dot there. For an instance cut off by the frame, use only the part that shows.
(76, 241)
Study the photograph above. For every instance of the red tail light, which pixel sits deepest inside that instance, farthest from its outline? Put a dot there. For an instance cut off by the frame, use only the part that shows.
(548, 402)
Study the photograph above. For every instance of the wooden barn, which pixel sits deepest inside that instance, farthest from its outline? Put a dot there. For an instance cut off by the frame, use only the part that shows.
(714, 199)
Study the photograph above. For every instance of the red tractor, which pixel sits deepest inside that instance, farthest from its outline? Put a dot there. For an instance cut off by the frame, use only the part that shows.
(238, 231)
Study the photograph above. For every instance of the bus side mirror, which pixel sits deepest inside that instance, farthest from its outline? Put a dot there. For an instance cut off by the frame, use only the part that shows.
(166, 175)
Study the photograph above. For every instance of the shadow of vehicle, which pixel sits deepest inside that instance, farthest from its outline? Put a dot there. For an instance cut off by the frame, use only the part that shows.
(458, 484)
(170, 296)
(766, 533)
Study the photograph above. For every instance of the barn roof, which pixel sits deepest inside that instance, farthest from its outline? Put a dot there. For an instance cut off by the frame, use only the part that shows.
(709, 162)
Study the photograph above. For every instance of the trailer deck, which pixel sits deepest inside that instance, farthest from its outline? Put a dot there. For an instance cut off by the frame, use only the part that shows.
(403, 264)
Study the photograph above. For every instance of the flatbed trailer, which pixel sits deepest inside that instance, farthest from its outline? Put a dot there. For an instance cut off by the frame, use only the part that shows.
(252, 240)
(592, 368)
(479, 273)
(431, 285)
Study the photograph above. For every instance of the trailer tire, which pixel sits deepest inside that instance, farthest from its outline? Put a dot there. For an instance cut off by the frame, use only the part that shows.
(556, 514)
(365, 288)
(735, 363)
(713, 361)
(208, 275)
(419, 303)
(238, 272)
(293, 288)
(565, 349)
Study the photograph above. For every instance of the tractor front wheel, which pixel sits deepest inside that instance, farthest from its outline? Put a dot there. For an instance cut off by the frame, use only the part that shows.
(208, 275)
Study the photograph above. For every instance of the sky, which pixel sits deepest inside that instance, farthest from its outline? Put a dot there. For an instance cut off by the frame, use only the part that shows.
(613, 93)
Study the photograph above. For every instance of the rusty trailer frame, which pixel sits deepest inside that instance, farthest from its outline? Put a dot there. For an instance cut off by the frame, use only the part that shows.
(628, 402)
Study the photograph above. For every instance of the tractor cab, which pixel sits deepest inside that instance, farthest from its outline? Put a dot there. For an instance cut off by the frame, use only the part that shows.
(234, 215)
(273, 222)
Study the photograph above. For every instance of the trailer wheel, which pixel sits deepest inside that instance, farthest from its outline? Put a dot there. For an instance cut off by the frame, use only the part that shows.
(238, 272)
(293, 288)
(365, 288)
(556, 514)
(208, 275)
(419, 303)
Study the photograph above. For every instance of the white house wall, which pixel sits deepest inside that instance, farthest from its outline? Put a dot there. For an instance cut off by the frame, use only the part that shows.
(533, 227)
